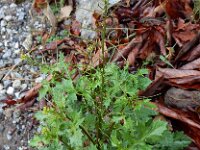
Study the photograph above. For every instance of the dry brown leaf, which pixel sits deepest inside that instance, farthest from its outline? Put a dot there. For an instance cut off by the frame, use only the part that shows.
(192, 65)
(97, 57)
(51, 17)
(178, 73)
(177, 114)
(178, 9)
(188, 46)
(185, 79)
(184, 32)
(132, 56)
(185, 36)
(193, 54)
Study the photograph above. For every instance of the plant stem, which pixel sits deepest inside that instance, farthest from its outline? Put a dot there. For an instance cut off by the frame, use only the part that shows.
(99, 103)
(65, 143)
(87, 134)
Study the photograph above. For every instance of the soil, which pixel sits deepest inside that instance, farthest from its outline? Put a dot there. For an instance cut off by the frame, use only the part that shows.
(16, 129)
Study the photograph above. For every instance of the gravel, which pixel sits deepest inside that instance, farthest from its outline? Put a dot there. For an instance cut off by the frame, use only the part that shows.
(14, 29)
(15, 38)
(15, 129)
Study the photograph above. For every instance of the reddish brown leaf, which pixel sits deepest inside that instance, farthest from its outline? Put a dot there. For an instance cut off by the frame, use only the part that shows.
(26, 105)
(9, 102)
(135, 42)
(33, 92)
(178, 115)
(189, 121)
(75, 28)
(178, 9)
(38, 5)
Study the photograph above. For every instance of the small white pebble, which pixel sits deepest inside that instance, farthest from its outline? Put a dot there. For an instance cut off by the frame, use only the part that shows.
(39, 79)
(9, 137)
(13, 5)
(10, 90)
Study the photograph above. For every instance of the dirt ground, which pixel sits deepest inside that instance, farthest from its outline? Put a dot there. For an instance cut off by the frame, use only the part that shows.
(16, 129)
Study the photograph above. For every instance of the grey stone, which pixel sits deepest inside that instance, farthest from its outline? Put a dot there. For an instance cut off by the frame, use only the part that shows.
(33, 70)
(9, 31)
(5, 7)
(21, 16)
(7, 83)
(9, 62)
(17, 51)
(17, 61)
(39, 79)
(1, 13)
(84, 14)
(3, 30)
(16, 45)
(23, 127)
(7, 54)
(9, 136)
(67, 22)
(6, 43)
(16, 114)
(6, 147)
(22, 94)
(15, 75)
(39, 129)
(8, 18)
(13, 5)
(16, 84)
(2, 64)
(17, 95)
(3, 23)
(2, 94)
(1, 87)
(2, 128)
(24, 87)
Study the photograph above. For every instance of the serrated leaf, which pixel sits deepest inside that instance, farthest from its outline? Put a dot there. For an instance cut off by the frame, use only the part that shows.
(142, 71)
(76, 138)
(144, 83)
(157, 128)
(114, 140)
(43, 91)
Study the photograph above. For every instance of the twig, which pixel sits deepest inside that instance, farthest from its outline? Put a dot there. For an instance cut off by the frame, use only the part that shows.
(13, 67)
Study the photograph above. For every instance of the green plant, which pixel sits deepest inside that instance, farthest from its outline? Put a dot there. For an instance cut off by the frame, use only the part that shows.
(53, 38)
(164, 59)
(196, 8)
(56, 7)
(100, 110)
(126, 122)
